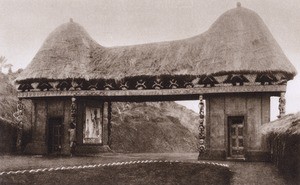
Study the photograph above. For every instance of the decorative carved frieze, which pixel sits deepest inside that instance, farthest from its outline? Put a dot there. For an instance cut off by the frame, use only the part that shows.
(64, 85)
(25, 87)
(205, 84)
(93, 86)
(221, 78)
(250, 77)
(54, 85)
(236, 80)
(173, 84)
(77, 85)
(266, 79)
(140, 84)
(124, 86)
(276, 89)
(157, 84)
(44, 86)
(208, 81)
(188, 85)
(108, 86)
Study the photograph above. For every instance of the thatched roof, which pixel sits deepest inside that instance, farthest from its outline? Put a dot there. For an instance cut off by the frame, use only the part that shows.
(289, 124)
(238, 42)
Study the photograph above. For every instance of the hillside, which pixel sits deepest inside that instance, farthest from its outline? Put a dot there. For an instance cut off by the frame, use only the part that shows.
(153, 127)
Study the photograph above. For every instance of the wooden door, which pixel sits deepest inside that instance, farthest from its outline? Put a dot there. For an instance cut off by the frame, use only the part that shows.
(55, 135)
(236, 137)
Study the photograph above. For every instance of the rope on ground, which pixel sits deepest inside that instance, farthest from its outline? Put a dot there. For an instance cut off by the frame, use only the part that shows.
(105, 164)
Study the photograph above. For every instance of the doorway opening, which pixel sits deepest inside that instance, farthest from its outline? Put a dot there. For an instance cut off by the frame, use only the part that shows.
(236, 136)
(55, 134)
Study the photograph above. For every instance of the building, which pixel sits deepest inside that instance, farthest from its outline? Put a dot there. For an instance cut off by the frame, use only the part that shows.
(233, 69)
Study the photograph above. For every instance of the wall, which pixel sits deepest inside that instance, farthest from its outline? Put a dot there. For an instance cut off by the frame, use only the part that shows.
(256, 110)
(83, 149)
(43, 109)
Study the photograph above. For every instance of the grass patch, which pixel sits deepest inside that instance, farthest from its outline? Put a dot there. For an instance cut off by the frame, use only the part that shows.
(134, 174)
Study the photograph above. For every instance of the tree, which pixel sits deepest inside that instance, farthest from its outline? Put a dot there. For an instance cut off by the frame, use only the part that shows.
(2, 62)
(9, 67)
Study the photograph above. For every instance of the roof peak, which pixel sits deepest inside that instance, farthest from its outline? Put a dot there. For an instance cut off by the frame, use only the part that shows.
(237, 42)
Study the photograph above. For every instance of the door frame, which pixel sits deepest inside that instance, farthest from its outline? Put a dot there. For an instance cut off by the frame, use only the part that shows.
(227, 135)
(93, 104)
(48, 134)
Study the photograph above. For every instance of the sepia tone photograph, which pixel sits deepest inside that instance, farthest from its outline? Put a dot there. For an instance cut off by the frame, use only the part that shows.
(140, 92)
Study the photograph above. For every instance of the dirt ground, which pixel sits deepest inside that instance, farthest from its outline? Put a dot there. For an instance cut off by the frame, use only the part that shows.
(243, 172)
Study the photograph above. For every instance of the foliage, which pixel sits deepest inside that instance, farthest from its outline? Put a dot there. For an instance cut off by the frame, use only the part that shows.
(284, 141)
(3, 64)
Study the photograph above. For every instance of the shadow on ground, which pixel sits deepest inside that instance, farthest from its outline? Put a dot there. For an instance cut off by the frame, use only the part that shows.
(243, 172)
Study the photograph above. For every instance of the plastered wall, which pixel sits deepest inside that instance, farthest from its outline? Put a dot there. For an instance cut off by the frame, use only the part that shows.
(256, 111)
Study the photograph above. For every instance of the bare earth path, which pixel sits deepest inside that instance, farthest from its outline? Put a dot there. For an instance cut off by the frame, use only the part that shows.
(243, 172)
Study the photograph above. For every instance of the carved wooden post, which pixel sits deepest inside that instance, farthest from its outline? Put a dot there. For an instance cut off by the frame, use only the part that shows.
(73, 111)
(19, 117)
(109, 124)
(281, 106)
(201, 128)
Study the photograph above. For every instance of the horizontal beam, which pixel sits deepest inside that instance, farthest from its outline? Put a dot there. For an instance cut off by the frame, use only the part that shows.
(160, 92)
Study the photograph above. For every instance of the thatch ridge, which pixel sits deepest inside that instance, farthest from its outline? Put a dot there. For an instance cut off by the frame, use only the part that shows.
(237, 42)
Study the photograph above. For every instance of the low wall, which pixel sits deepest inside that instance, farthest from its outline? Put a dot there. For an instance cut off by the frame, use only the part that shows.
(285, 154)
(8, 135)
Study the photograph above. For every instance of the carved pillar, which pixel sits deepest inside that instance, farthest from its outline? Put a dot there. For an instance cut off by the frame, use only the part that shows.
(73, 111)
(281, 106)
(105, 122)
(72, 128)
(19, 117)
(109, 124)
(201, 128)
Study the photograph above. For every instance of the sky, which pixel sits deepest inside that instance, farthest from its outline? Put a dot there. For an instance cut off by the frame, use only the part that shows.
(25, 24)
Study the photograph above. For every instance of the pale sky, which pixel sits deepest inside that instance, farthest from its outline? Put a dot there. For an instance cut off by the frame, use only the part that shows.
(25, 24)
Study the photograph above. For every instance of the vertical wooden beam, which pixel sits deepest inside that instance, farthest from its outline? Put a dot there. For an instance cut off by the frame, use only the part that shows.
(72, 128)
(109, 125)
(201, 128)
(73, 111)
(105, 120)
(19, 117)
(281, 106)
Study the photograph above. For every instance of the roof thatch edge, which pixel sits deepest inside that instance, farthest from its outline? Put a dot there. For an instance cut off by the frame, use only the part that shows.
(287, 125)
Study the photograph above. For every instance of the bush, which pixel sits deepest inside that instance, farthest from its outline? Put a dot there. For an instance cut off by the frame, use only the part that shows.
(285, 154)
(8, 133)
